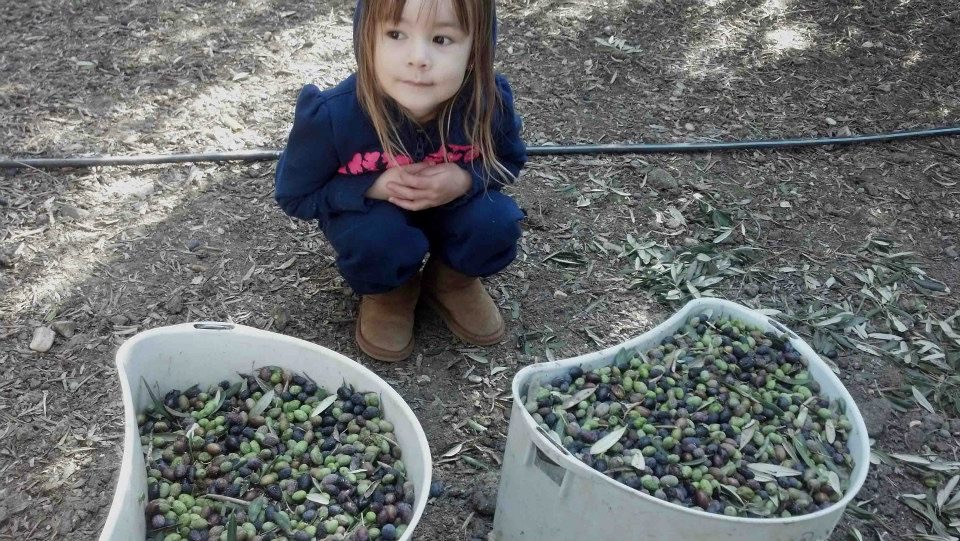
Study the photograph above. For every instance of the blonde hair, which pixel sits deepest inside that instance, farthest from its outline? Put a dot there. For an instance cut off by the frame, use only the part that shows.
(475, 17)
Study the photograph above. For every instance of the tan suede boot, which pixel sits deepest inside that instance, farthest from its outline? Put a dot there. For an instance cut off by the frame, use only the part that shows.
(385, 322)
(463, 303)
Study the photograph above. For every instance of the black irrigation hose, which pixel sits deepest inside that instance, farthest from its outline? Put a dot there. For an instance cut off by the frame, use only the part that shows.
(550, 150)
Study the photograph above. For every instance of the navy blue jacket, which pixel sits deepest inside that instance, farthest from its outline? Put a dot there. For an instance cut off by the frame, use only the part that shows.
(333, 155)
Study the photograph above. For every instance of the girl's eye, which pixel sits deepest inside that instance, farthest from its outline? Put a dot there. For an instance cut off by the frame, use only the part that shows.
(393, 34)
(442, 40)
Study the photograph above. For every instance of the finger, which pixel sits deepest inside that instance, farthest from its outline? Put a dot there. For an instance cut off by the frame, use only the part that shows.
(410, 180)
(432, 170)
(405, 192)
(417, 167)
(407, 204)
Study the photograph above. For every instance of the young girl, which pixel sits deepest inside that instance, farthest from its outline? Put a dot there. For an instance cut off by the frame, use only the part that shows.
(406, 157)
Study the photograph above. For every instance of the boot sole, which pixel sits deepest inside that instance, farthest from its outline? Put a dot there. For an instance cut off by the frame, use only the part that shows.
(378, 353)
(459, 331)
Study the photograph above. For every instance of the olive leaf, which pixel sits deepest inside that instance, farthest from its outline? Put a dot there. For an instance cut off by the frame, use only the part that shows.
(831, 429)
(232, 528)
(176, 413)
(453, 451)
(226, 499)
(283, 521)
(748, 432)
(732, 491)
(264, 386)
(913, 459)
(579, 397)
(256, 509)
(608, 441)
(922, 400)
(834, 480)
(322, 498)
(622, 356)
(372, 489)
(554, 437)
(639, 462)
(801, 449)
(478, 358)
(157, 403)
(774, 470)
(234, 389)
(323, 405)
(944, 492)
(561, 427)
(262, 404)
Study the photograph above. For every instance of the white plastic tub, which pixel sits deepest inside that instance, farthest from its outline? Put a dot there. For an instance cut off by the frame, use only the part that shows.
(547, 494)
(179, 356)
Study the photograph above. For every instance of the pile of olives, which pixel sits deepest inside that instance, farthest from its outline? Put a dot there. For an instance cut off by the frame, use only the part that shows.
(272, 457)
(720, 416)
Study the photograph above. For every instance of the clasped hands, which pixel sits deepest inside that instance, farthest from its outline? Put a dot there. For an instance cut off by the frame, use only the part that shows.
(421, 186)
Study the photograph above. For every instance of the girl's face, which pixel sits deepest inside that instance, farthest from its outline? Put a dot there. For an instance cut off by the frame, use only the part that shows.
(421, 61)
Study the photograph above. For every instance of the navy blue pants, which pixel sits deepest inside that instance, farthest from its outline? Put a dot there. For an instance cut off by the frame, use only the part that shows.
(381, 249)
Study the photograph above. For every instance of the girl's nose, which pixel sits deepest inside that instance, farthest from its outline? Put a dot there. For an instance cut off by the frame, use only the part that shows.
(419, 56)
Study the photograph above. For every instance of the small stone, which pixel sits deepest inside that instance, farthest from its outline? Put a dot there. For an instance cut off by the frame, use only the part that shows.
(885, 87)
(662, 180)
(144, 190)
(874, 221)
(281, 318)
(915, 438)
(876, 413)
(689, 126)
(834, 211)
(193, 244)
(74, 212)
(42, 339)
(830, 121)
(751, 290)
(483, 503)
(119, 319)
(174, 304)
(933, 420)
(436, 489)
(951, 251)
(872, 190)
(6, 260)
(65, 329)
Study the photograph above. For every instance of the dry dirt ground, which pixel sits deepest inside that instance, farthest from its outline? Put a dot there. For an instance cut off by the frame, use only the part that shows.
(108, 252)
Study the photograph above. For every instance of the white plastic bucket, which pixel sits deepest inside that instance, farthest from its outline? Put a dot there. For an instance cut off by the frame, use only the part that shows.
(547, 494)
(179, 356)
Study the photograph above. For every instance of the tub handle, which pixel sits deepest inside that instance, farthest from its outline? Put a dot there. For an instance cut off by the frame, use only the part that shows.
(779, 326)
(213, 326)
(559, 447)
